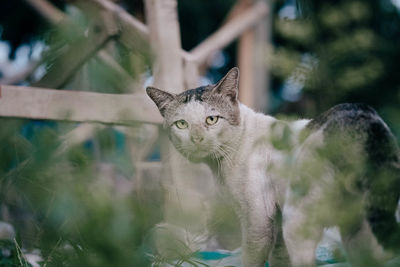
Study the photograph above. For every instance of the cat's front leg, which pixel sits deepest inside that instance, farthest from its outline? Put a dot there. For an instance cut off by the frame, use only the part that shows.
(257, 239)
(264, 243)
(256, 245)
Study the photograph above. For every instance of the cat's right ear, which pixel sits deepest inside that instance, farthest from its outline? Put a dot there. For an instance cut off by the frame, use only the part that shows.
(160, 97)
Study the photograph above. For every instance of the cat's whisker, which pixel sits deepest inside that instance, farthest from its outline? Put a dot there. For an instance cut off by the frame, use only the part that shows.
(226, 150)
(231, 149)
(226, 155)
(218, 160)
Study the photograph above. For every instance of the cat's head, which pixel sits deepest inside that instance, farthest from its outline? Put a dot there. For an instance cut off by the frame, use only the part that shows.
(202, 122)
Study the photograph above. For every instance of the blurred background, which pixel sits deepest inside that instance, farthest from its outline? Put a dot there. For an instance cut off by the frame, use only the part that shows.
(93, 194)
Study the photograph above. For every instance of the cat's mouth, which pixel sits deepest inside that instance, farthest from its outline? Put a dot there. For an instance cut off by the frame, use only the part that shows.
(197, 153)
(201, 153)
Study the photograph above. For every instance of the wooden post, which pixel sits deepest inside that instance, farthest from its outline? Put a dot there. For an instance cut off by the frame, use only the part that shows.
(254, 79)
(192, 75)
(164, 37)
(162, 21)
(184, 199)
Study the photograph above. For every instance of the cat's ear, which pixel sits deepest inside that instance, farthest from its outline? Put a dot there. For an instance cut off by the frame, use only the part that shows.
(160, 97)
(229, 85)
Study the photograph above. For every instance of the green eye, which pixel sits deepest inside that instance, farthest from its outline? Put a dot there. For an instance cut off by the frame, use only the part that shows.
(181, 124)
(211, 120)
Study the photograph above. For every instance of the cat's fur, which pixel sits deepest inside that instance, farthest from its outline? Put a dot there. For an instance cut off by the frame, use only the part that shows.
(272, 168)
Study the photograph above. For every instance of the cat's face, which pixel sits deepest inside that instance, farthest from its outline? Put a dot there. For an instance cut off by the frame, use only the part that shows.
(202, 122)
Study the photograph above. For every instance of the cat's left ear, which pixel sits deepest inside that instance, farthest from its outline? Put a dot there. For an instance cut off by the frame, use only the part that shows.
(229, 85)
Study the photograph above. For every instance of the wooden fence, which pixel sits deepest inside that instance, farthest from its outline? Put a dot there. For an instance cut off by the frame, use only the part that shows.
(174, 70)
(163, 34)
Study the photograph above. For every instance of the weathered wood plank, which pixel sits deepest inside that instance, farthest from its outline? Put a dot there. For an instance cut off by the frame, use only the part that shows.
(79, 106)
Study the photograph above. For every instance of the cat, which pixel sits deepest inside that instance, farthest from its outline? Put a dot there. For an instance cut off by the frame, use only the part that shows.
(290, 180)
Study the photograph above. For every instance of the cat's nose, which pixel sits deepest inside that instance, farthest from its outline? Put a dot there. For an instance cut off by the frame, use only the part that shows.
(196, 139)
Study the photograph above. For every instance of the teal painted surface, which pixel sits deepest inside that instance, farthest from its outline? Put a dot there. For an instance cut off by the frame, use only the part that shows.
(212, 255)
(215, 255)
(324, 256)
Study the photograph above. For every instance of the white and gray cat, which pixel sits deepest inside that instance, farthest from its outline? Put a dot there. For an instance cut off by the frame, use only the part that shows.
(289, 181)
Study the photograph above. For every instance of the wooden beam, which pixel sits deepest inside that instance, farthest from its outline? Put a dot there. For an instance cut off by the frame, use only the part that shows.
(132, 31)
(79, 106)
(230, 31)
(239, 7)
(123, 17)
